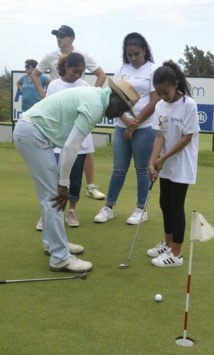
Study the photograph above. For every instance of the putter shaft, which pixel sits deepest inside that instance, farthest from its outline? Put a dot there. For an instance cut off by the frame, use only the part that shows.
(126, 265)
(81, 276)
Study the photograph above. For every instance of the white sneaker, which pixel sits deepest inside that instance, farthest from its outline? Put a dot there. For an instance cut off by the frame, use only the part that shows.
(168, 259)
(39, 224)
(71, 219)
(72, 265)
(104, 215)
(92, 191)
(159, 249)
(73, 249)
(136, 216)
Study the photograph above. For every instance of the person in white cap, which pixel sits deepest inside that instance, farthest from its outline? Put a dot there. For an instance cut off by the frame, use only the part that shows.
(64, 119)
(65, 36)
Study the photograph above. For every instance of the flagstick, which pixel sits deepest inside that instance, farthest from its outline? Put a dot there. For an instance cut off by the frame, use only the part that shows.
(184, 341)
(188, 290)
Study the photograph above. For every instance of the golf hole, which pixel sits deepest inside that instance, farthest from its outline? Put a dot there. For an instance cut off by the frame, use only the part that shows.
(185, 342)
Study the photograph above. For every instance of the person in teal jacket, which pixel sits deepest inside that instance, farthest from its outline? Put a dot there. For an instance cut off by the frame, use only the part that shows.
(30, 95)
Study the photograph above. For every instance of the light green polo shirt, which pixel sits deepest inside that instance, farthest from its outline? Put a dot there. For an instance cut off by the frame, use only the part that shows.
(56, 114)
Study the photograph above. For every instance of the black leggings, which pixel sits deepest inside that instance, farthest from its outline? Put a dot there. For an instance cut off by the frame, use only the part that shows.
(172, 199)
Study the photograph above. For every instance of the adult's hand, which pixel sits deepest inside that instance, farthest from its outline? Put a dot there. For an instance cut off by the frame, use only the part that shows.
(127, 134)
(61, 199)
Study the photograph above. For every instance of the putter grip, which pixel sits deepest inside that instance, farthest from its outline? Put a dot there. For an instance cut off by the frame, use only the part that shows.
(2, 282)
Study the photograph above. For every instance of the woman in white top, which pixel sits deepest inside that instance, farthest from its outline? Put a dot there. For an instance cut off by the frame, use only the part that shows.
(174, 158)
(133, 137)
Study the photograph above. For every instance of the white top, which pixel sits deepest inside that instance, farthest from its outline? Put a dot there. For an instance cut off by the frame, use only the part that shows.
(175, 120)
(141, 79)
(50, 60)
(59, 85)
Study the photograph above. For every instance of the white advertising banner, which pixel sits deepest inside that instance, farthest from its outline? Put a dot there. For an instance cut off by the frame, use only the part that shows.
(202, 92)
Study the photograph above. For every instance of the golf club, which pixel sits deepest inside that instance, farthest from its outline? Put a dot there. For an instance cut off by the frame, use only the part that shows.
(126, 265)
(81, 276)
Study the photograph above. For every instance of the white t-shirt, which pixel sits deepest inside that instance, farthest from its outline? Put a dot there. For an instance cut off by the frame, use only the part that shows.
(175, 120)
(59, 85)
(50, 60)
(141, 79)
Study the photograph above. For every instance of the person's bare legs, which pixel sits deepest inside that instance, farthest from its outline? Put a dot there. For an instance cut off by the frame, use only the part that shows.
(175, 247)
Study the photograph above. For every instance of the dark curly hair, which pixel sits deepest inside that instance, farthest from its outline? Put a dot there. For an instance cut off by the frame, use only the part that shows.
(170, 72)
(72, 60)
(136, 39)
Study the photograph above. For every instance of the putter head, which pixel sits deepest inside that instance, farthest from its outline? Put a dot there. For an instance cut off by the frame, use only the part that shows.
(84, 275)
(123, 266)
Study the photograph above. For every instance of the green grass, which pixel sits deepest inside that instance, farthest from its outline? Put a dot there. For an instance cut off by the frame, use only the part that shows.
(113, 311)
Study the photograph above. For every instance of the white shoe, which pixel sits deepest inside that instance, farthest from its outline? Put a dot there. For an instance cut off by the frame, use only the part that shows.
(104, 215)
(39, 225)
(159, 249)
(71, 218)
(92, 191)
(168, 259)
(136, 216)
(73, 249)
(72, 265)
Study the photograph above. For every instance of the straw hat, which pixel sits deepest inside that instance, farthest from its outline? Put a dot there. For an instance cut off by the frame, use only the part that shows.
(127, 93)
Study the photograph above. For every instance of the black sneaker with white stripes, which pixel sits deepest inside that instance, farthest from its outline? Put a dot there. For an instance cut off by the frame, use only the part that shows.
(168, 259)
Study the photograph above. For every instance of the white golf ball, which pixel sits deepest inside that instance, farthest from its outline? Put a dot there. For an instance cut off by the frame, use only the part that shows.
(158, 298)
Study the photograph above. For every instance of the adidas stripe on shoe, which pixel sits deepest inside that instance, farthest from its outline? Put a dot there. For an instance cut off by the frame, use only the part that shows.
(159, 249)
(167, 259)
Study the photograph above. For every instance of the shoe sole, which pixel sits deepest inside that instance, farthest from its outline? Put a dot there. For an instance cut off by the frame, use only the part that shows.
(39, 229)
(72, 225)
(65, 269)
(96, 198)
(168, 265)
(103, 221)
(135, 223)
(46, 252)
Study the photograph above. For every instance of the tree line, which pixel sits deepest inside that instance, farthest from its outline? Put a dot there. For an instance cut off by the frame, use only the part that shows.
(195, 63)
(5, 96)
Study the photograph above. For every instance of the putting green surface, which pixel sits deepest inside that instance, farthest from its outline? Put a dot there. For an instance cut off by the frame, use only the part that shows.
(113, 311)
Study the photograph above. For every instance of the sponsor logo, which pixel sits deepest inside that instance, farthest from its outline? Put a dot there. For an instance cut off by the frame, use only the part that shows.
(202, 117)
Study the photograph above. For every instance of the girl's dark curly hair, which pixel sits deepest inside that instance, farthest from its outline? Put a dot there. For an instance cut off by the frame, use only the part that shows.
(136, 39)
(171, 73)
(72, 60)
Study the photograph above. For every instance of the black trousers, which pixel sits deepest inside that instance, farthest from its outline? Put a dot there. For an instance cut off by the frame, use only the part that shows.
(172, 200)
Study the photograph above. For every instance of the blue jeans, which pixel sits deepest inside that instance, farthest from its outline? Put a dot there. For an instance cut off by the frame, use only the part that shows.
(140, 147)
(75, 177)
(37, 151)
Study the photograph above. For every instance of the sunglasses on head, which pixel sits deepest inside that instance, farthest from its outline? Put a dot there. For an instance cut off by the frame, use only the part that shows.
(28, 66)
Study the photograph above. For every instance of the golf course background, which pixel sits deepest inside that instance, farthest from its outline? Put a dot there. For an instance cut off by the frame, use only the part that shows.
(113, 311)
